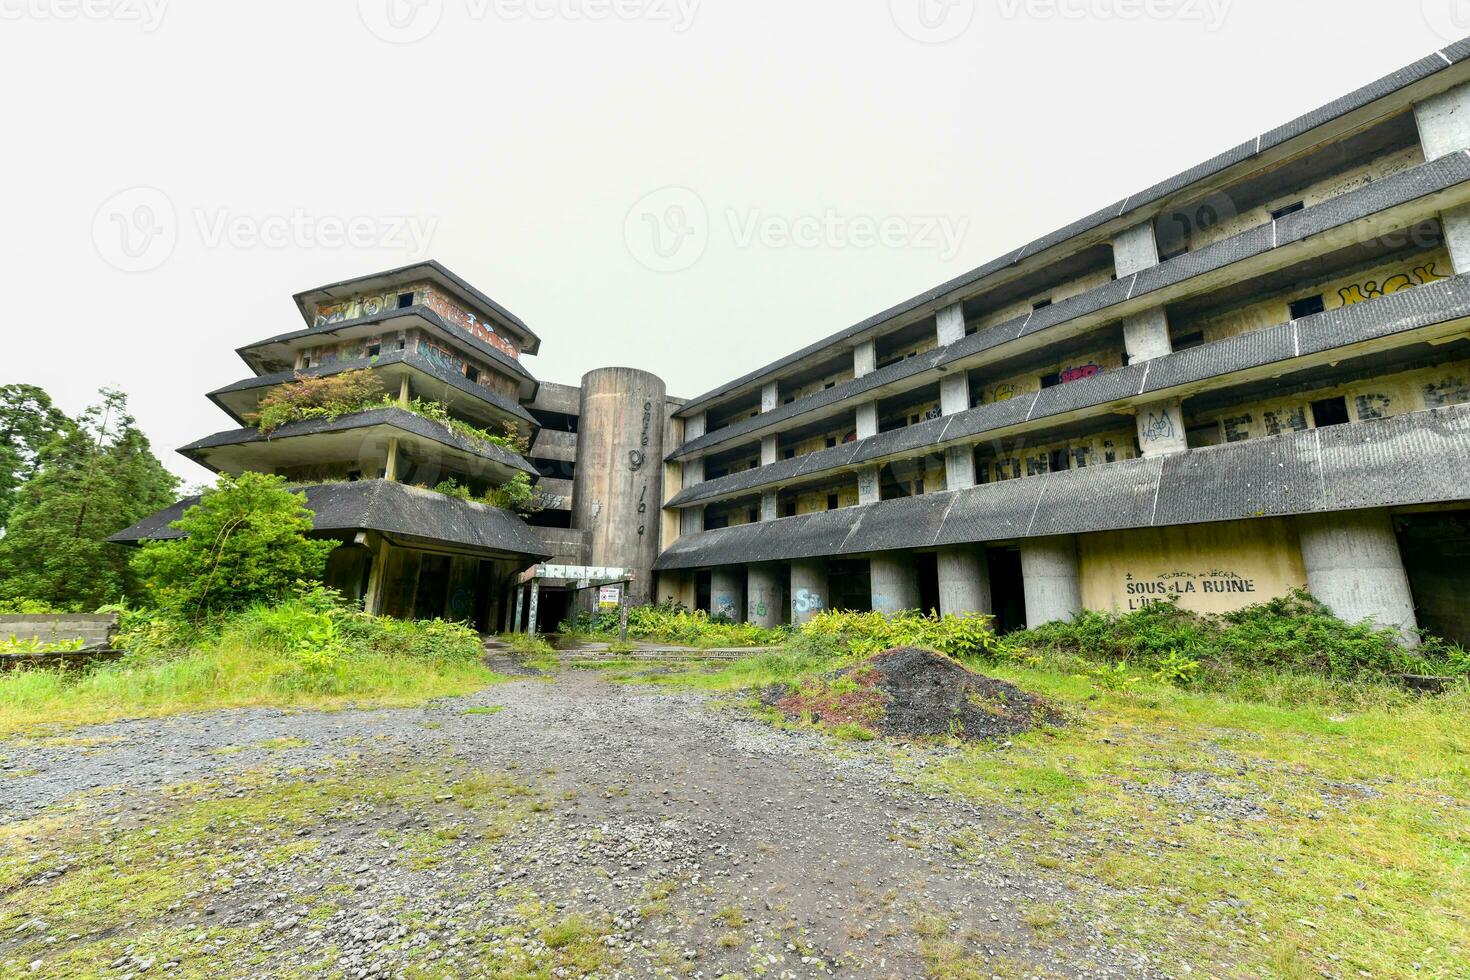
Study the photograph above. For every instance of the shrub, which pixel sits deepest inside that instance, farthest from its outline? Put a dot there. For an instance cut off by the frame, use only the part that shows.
(673, 623)
(310, 397)
(246, 544)
(517, 494)
(965, 637)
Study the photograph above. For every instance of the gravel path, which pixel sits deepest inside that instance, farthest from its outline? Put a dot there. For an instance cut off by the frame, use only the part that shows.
(817, 857)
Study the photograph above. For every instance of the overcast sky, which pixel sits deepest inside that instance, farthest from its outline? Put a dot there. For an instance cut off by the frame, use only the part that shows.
(692, 187)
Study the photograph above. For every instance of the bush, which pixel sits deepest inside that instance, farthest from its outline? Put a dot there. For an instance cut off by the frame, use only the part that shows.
(246, 544)
(1294, 634)
(673, 623)
(965, 637)
(310, 397)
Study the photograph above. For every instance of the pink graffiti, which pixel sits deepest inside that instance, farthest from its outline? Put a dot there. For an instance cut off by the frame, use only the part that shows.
(1078, 373)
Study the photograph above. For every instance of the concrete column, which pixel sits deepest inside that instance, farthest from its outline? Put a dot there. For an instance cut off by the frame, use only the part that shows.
(691, 519)
(770, 510)
(1050, 579)
(895, 582)
(869, 488)
(954, 392)
(771, 397)
(770, 446)
(535, 606)
(951, 324)
(515, 626)
(867, 420)
(808, 589)
(695, 426)
(1456, 223)
(959, 468)
(727, 592)
(1444, 122)
(1146, 335)
(404, 392)
(390, 471)
(1354, 567)
(1161, 429)
(864, 359)
(1135, 249)
(964, 581)
(764, 601)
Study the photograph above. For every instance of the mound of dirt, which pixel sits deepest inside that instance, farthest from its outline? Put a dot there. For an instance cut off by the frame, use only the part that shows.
(910, 692)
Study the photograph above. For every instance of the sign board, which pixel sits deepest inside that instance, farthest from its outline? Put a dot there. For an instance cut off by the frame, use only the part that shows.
(609, 596)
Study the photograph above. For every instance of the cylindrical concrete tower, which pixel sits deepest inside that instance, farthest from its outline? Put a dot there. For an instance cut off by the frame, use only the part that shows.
(618, 490)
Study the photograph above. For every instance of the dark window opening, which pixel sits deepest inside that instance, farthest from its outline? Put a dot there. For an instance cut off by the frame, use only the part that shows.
(789, 508)
(1059, 459)
(1204, 434)
(472, 372)
(754, 515)
(789, 454)
(402, 343)
(354, 475)
(913, 420)
(1280, 213)
(405, 300)
(831, 441)
(1041, 304)
(832, 502)
(789, 400)
(717, 523)
(374, 350)
(1189, 340)
(1310, 306)
(1051, 380)
(1173, 253)
(918, 488)
(1330, 411)
(829, 384)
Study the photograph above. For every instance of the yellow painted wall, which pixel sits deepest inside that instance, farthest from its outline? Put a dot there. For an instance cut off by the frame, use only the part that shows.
(816, 443)
(1106, 447)
(815, 501)
(1342, 290)
(1324, 190)
(1072, 368)
(1394, 394)
(1212, 568)
(1056, 294)
(812, 387)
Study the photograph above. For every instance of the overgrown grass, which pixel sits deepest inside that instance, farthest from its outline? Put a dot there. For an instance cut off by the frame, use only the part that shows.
(673, 624)
(306, 653)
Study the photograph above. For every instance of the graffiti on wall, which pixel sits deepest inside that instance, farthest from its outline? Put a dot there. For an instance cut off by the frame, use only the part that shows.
(636, 459)
(1003, 392)
(807, 601)
(1166, 586)
(360, 306)
(1080, 372)
(1453, 391)
(1364, 291)
(442, 356)
(1373, 407)
(1294, 418)
(470, 323)
(1159, 426)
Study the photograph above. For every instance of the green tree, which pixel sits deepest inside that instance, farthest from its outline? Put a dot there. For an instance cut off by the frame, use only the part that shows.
(98, 478)
(29, 422)
(246, 543)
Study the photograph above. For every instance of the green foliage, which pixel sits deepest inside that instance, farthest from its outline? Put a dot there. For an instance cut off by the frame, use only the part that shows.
(966, 637)
(30, 607)
(332, 396)
(674, 624)
(95, 479)
(516, 495)
(246, 544)
(310, 397)
(34, 644)
(29, 423)
(1292, 634)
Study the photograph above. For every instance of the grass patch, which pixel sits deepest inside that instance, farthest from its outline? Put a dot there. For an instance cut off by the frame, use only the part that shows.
(493, 709)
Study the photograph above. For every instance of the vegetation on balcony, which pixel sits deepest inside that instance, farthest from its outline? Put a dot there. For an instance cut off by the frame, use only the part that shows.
(333, 396)
(516, 494)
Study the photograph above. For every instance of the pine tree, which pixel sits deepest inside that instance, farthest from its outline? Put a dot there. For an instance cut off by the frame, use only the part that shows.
(29, 422)
(98, 478)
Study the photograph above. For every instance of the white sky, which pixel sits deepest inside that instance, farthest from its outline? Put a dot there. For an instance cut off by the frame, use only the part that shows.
(527, 142)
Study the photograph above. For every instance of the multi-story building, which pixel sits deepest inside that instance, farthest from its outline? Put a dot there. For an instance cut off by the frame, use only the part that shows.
(1251, 377)
(452, 414)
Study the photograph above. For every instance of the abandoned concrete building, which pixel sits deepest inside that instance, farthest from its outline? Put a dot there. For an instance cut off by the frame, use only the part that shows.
(1251, 377)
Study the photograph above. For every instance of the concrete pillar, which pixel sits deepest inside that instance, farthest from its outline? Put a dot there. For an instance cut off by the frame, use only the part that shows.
(1135, 249)
(1456, 223)
(895, 582)
(867, 420)
(390, 471)
(1354, 567)
(770, 509)
(1444, 122)
(1050, 579)
(864, 359)
(727, 592)
(771, 397)
(809, 595)
(951, 324)
(535, 606)
(691, 519)
(869, 489)
(695, 426)
(404, 392)
(764, 601)
(959, 468)
(1161, 429)
(1146, 335)
(964, 581)
(515, 626)
(618, 489)
(770, 446)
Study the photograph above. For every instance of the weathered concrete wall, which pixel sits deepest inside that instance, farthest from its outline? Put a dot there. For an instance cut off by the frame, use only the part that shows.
(1210, 568)
(618, 490)
(765, 604)
(809, 590)
(1353, 565)
(727, 593)
(92, 630)
(964, 581)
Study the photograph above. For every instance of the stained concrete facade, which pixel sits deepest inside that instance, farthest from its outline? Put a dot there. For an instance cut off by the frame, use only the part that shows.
(1250, 378)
